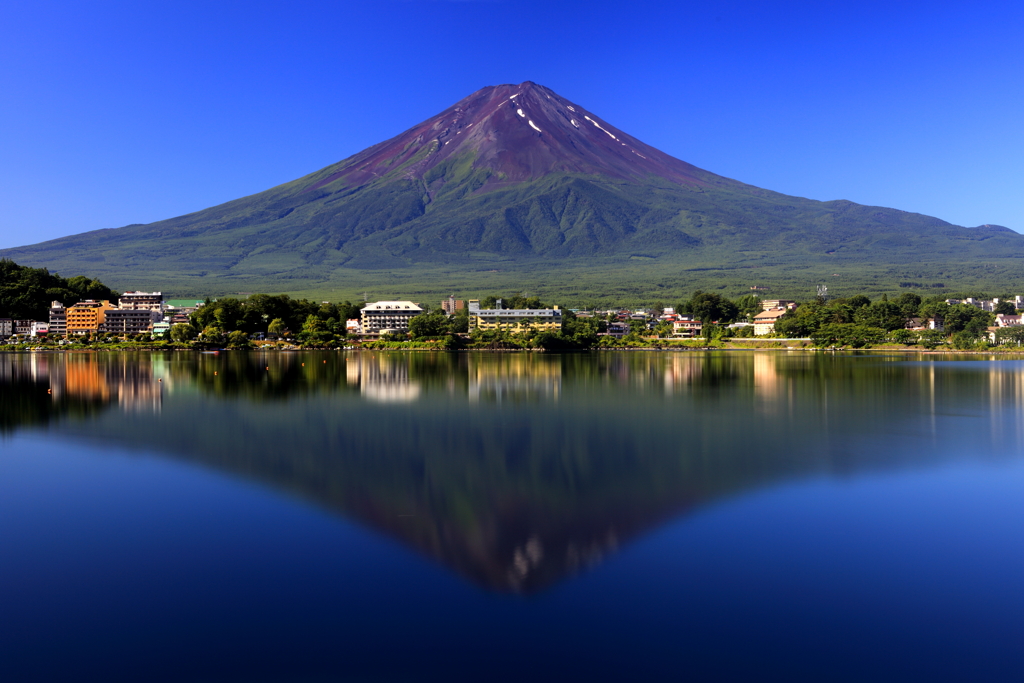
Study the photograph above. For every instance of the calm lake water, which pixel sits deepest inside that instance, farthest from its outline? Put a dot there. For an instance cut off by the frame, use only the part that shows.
(511, 517)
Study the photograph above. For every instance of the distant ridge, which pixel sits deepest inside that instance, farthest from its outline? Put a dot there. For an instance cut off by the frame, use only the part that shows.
(519, 180)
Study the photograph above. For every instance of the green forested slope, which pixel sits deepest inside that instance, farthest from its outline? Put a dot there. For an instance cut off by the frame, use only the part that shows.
(287, 239)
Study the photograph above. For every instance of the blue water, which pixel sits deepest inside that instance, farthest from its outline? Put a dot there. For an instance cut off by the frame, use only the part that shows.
(861, 540)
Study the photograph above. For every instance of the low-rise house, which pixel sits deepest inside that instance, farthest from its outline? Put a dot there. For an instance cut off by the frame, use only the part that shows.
(617, 330)
(1004, 320)
(921, 324)
(39, 329)
(686, 326)
(353, 327)
(764, 322)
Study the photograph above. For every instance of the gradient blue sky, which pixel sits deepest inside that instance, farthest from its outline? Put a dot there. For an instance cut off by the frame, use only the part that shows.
(126, 112)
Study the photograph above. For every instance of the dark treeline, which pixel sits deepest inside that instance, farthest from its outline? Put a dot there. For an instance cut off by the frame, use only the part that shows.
(26, 293)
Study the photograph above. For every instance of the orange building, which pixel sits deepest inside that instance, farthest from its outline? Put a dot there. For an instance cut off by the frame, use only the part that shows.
(87, 316)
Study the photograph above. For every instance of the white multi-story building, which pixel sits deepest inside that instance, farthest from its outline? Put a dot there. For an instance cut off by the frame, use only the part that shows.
(382, 317)
(141, 301)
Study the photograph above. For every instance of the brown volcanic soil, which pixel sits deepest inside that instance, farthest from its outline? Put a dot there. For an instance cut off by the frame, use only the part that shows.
(521, 132)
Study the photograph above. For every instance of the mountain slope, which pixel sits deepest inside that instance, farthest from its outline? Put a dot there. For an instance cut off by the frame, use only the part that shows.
(512, 175)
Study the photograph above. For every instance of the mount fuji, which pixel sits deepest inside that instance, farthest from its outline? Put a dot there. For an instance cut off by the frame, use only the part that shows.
(522, 184)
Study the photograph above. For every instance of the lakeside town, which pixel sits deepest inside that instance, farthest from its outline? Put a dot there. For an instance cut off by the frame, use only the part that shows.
(706, 319)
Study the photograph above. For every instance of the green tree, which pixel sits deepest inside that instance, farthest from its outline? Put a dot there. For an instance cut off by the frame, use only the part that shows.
(884, 314)
(183, 332)
(858, 301)
(964, 340)
(228, 313)
(748, 306)
(1005, 307)
(313, 324)
(846, 334)
(967, 318)
(238, 340)
(429, 325)
(213, 335)
(277, 327)
(579, 333)
(930, 339)
(909, 303)
(708, 307)
(459, 323)
(903, 336)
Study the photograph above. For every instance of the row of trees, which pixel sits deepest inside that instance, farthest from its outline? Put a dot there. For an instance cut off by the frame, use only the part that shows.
(709, 307)
(858, 315)
(231, 321)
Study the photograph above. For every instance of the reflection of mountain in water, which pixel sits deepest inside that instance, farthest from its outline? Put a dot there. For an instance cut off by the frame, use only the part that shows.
(518, 470)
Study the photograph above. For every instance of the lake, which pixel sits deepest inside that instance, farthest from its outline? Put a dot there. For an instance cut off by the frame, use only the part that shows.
(357, 516)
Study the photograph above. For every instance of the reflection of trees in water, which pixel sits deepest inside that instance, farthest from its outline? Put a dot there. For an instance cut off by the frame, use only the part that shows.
(518, 490)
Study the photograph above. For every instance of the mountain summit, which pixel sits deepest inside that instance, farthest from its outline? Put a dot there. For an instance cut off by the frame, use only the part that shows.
(517, 133)
(517, 186)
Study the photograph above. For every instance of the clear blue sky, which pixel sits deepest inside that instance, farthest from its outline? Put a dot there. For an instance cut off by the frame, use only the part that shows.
(129, 112)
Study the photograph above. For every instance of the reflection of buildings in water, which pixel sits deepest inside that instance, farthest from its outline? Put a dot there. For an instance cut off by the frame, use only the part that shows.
(514, 375)
(381, 378)
(682, 370)
(81, 380)
(1005, 391)
(131, 382)
(140, 393)
(35, 368)
(774, 391)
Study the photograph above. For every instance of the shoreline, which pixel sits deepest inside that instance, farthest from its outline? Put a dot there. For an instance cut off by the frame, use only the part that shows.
(649, 349)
